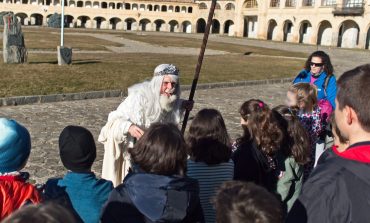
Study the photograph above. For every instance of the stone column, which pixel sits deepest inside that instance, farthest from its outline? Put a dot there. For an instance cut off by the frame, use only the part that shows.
(362, 39)
(222, 26)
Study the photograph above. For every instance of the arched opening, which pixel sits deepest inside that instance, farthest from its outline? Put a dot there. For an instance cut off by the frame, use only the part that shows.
(170, 8)
(119, 5)
(159, 25)
(48, 17)
(218, 7)
(36, 19)
(367, 44)
(114, 23)
(230, 7)
(190, 9)
(164, 8)
(145, 25)
(186, 27)
(201, 26)
(96, 5)
(104, 5)
(47, 2)
(88, 4)
(130, 24)
(305, 32)
(83, 22)
(250, 26)
(100, 23)
(23, 1)
(174, 26)
(142, 7)
(127, 6)
(150, 8)
(183, 9)
(69, 21)
(156, 8)
(112, 5)
(135, 7)
(288, 31)
(80, 4)
(22, 18)
(250, 4)
(325, 34)
(348, 34)
(215, 26)
(229, 28)
(202, 6)
(272, 30)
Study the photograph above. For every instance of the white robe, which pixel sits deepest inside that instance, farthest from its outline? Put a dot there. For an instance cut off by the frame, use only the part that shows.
(114, 135)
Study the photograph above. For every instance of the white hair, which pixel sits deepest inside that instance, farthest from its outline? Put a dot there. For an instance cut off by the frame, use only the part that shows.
(153, 110)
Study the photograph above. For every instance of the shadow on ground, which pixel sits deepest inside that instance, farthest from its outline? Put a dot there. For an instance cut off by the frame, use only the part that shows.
(74, 62)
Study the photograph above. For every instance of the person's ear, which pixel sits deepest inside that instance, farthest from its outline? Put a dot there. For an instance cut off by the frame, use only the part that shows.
(352, 116)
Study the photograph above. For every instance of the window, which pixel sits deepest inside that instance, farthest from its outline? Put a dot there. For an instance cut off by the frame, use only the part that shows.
(274, 3)
(308, 2)
(201, 6)
(230, 6)
(251, 4)
(328, 2)
(290, 3)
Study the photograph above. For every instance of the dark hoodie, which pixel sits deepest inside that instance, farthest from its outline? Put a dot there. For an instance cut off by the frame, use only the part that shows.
(338, 190)
(144, 198)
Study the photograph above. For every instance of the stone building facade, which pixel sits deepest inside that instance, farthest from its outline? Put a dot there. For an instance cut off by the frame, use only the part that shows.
(342, 23)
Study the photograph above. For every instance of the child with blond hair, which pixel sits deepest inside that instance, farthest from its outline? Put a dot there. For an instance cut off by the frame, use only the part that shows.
(303, 98)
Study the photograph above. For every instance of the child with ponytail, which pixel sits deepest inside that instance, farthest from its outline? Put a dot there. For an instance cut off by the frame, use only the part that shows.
(255, 152)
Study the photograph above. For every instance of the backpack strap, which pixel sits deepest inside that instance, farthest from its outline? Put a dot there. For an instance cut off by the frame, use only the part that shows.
(326, 82)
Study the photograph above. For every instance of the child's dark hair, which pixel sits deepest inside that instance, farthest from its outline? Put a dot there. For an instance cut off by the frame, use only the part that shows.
(238, 201)
(335, 128)
(161, 150)
(48, 212)
(296, 142)
(262, 126)
(208, 140)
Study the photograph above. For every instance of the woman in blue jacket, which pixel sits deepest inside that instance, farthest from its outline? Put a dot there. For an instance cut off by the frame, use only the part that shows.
(318, 70)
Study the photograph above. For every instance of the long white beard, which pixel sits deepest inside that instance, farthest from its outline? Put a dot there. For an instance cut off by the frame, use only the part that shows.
(167, 103)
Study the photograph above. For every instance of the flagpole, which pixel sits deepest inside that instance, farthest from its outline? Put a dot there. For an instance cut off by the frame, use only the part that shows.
(62, 26)
(200, 61)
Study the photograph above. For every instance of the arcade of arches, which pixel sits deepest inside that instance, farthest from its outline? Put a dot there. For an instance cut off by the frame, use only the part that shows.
(319, 22)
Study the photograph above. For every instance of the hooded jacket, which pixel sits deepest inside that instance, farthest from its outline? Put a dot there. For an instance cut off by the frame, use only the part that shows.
(147, 198)
(82, 193)
(338, 189)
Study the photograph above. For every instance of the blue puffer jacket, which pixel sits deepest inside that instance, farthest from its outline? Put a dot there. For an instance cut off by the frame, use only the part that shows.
(148, 198)
(328, 94)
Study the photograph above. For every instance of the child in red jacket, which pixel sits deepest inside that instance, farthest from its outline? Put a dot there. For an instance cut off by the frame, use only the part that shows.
(15, 148)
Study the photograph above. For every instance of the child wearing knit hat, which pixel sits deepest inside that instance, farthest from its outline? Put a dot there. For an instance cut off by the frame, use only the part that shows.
(15, 148)
(79, 190)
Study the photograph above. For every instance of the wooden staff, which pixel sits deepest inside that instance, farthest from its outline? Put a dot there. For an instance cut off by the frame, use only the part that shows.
(200, 61)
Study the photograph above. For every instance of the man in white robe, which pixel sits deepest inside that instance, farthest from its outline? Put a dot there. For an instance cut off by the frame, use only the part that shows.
(147, 102)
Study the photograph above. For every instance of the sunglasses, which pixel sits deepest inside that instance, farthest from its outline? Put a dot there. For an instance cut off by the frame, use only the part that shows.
(316, 64)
